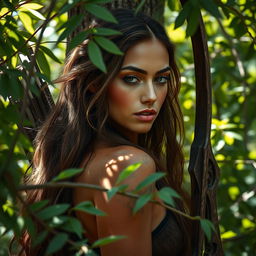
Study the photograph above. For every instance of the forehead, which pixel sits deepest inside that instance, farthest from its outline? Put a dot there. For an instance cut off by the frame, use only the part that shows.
(150, 55)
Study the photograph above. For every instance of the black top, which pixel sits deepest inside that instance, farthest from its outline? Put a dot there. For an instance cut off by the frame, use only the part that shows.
(167, 238)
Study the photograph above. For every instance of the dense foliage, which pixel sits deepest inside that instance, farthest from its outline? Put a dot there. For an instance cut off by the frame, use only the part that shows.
(43, 26)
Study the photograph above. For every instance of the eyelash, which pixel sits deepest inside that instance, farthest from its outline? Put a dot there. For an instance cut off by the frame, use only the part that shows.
(127, 79)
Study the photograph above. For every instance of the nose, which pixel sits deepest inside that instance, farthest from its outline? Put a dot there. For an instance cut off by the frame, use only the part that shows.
(149, 95)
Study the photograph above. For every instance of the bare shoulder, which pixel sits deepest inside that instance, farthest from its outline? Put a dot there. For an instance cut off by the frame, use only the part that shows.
(115, 159)
(125, 154)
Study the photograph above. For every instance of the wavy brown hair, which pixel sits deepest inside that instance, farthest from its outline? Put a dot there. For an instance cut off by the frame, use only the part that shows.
(81, 115)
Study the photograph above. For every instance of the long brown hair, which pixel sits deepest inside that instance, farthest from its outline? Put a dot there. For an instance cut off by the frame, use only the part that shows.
(80, 114)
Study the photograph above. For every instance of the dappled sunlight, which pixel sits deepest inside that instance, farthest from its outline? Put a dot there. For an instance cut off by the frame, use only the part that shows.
(112, 165)
(113, 170)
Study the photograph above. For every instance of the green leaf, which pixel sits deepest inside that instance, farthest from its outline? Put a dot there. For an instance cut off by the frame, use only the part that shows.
(52, 211)
(95, 56)
(182, 15)
(105, 31)
(32, 6)
(125, 173)
(73, 225)
(39, 238)
(193, 21)
(149, 180)
(141, 201)
(67, 6)
(211, 7)
(167, 194)
(49, 52)
(88, 207)
(9, 5)
(114, 190)
(138, 8)
(78, 39)
(57, 243)
(172, 4)
(107, 240)
(38, 205)
(207, 227)
(108, 45)
(36, 14)
(43, 63)
(27, 22)
(100, 12)
(45, 78)
(30, 226)
(67, 174)
(70, 26)
(99, 1)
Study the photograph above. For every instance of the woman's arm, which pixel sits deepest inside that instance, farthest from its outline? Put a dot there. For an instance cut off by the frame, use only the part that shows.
(120, 220)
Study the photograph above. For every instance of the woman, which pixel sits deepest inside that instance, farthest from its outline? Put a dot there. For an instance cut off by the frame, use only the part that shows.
(106, 122)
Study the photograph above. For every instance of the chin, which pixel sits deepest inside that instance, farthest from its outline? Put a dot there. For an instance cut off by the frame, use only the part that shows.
(144, 129)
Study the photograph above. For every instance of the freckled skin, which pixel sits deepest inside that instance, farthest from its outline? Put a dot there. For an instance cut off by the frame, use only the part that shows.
(126, 99)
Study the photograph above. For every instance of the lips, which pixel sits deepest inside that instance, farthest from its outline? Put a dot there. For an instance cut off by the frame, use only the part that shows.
(146, 115)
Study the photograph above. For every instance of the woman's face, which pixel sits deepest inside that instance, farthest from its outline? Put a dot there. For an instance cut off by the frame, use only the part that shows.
(136, 94)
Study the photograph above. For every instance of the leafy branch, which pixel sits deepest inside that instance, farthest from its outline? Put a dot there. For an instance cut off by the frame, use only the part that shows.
(96, 187)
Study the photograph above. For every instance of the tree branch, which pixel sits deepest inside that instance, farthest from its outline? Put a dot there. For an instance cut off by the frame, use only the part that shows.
(96, 187)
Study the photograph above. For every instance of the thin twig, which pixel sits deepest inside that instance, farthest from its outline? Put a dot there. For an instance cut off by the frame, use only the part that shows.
(16, 7)
(96, 187)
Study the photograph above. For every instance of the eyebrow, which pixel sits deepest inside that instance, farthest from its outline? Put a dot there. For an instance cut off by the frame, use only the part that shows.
(143, 71)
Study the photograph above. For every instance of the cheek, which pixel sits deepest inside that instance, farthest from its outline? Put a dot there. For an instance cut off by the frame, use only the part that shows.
(118, 96)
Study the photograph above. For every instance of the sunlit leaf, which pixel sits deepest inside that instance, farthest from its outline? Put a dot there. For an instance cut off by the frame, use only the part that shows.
(67, 174)
(36, 14)
(125, 173)
(32, 6)
(27, 22)
(107, 240)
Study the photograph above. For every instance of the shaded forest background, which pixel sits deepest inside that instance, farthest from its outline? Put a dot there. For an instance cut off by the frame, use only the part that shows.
(231, 31)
